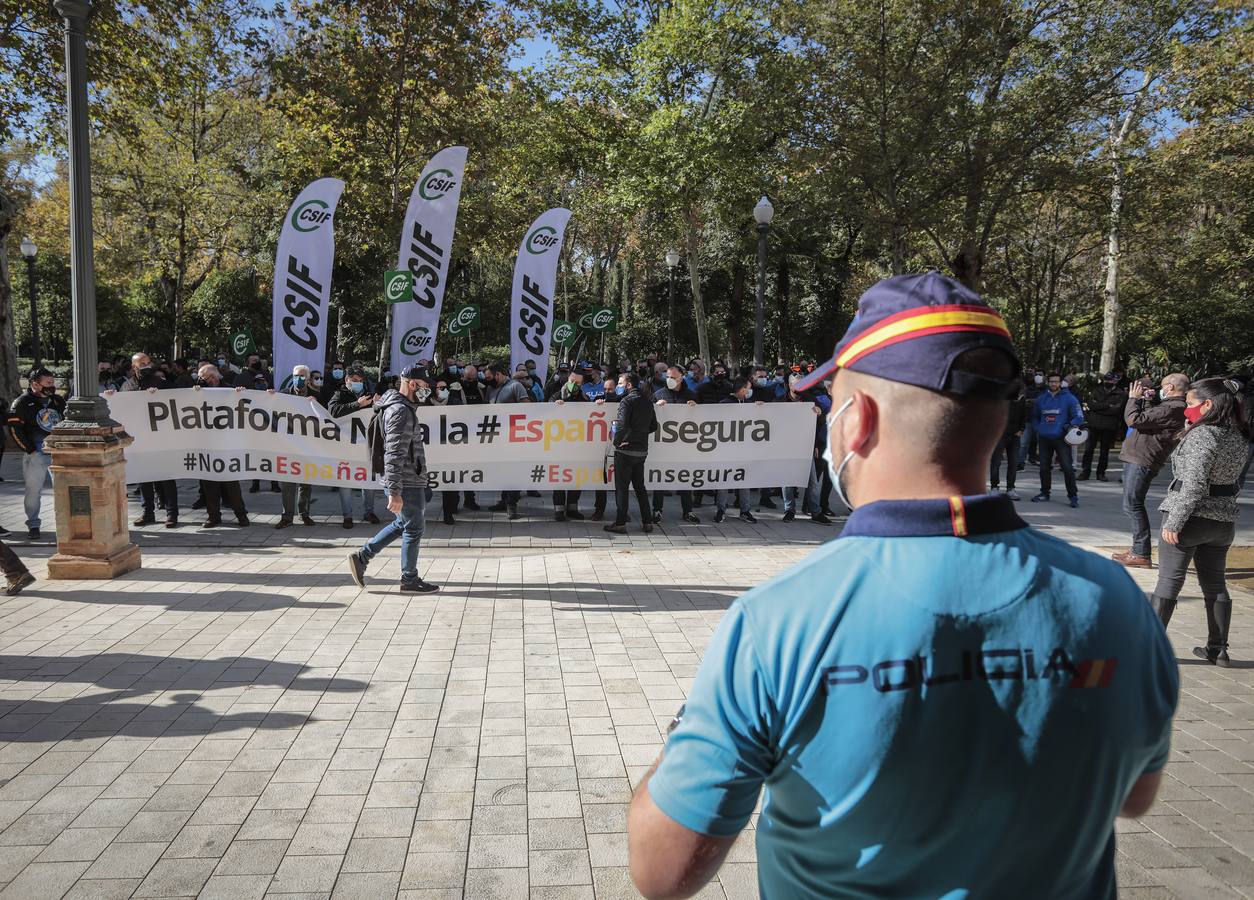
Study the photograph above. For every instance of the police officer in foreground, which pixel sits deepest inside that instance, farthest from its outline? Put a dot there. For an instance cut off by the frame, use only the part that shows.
(943, 701)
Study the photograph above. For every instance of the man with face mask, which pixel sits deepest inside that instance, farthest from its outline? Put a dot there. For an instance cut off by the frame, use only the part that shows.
(674, 390)
(696, 377)
(147, 377)
(214, 492)
(635, 422)
(404, 481)
(332, 382)
(32, 417)
(1054, 413)
(296, 497)
(658, 381)
(349, 398)
(503, 389)
(939, 650)
(741, 392)
(566, 503)
(254, 376)
(718, 388)
(1032, 388)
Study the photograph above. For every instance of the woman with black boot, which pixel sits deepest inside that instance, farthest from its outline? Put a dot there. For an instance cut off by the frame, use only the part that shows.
(1200, 511)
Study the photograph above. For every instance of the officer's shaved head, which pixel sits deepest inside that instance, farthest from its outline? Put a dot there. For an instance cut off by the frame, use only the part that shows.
(945, 430)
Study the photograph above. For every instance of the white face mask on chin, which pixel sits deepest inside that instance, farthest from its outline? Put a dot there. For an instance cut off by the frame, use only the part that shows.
(834, 470)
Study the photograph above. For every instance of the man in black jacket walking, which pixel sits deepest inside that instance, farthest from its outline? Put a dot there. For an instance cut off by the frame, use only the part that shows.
(636, 421)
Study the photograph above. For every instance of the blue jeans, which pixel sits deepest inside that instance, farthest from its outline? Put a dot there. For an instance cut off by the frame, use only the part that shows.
(346, 501)
(35, 474)
(408, 526)
(1136, 485)
(1028, 442)
(742, 499)
(810, 503)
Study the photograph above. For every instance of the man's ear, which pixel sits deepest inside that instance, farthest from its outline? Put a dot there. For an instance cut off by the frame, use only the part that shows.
(861, 422)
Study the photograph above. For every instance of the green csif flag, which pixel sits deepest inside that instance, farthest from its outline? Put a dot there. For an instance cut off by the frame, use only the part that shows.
(564, 333)
(242, 344)
(600, 318)
(465, 318)
(398, 286)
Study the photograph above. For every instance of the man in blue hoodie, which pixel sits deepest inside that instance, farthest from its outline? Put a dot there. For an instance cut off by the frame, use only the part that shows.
(1055, 411)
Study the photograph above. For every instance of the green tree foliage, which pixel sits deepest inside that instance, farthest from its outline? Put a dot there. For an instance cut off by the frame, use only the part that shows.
(973, 137)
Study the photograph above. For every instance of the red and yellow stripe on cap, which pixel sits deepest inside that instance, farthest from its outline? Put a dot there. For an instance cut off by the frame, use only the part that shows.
(920, 322)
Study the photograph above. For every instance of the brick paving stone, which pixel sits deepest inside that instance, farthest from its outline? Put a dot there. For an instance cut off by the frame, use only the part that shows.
(237, 719)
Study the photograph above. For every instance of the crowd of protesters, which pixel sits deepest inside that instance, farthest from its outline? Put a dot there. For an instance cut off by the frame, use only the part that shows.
(345, 387)
(1144, 419)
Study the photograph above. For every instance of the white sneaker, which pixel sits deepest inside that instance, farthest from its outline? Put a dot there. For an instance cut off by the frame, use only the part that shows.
(1013, 495)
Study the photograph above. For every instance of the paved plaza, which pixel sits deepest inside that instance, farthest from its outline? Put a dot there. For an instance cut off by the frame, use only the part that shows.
(238, 720)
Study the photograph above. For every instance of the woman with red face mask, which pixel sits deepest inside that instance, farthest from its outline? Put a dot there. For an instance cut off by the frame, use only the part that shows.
(1200, 511)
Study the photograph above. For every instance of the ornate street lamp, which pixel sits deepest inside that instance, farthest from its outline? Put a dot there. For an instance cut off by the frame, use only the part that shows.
(28, 251)
(763, 213)
(672, 260)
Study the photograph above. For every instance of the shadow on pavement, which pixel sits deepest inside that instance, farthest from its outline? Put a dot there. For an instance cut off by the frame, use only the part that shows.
(136, 703)
(212, 601)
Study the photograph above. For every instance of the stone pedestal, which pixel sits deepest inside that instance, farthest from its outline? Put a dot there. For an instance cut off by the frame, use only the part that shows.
(89, 485)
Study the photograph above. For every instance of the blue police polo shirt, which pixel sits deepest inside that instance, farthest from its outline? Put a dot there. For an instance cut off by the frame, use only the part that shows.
(943, 703)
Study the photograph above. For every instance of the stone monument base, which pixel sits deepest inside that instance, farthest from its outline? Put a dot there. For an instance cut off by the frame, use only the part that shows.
(89, 489)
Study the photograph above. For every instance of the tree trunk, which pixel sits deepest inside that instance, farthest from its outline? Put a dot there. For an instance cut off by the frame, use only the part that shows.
(9, 385)
(1110, 295)
(693, 240)
(734, 309)
(783, 286)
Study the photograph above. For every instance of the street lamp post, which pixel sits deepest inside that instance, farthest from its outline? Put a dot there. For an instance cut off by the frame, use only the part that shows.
(28, 251)
(85, 408)
(88, 465)
(763, 213)
(672, 260)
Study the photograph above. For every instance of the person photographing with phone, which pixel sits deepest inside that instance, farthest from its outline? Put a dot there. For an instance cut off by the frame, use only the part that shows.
(1155, 420)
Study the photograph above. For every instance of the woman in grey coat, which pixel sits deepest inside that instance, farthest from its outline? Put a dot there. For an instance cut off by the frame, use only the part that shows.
(1200, 511)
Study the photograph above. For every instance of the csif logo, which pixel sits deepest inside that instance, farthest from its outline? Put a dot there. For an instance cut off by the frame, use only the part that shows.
(542, 240)
(415, 340)
(602, 319)
(240, 345)
(398, 284)
(463, 320)
(310, 215)
(564, 334)
(436, 184)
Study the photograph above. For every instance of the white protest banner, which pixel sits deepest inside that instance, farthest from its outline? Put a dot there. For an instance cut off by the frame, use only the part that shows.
(302, 278)
(221, 434)
(531, 299)
(426, 242)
